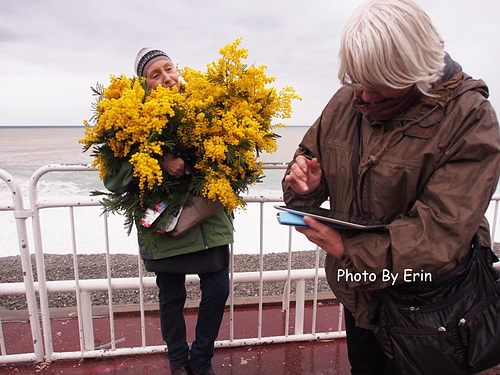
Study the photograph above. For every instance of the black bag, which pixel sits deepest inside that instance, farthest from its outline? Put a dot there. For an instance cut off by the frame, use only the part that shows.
(446, 326)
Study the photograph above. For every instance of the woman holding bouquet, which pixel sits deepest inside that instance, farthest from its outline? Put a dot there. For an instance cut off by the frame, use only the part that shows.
(203, 250)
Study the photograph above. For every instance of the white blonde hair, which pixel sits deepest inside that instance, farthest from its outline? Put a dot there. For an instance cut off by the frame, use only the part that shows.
(392, 43)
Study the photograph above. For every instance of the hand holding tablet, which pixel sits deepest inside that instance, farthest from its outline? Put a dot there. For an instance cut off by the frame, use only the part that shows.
(293, 215)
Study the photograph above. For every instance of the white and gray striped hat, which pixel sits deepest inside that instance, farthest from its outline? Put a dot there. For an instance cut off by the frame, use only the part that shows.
(146, 57)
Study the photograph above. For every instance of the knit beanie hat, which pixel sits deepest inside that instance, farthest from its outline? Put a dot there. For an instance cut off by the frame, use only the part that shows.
(146, 57)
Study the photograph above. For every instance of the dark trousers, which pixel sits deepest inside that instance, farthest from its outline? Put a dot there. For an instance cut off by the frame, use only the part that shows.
(172, 295)
(365, 355)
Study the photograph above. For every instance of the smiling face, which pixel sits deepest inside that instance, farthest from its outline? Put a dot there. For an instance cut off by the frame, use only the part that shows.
(162, 72)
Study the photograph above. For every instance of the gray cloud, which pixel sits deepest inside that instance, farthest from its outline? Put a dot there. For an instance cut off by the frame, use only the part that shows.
(52, 51)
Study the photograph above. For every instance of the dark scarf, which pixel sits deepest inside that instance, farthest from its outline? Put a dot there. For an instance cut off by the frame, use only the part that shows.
(387, 108)
(390, 107)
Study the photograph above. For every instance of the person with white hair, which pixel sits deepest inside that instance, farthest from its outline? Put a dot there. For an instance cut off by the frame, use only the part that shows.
(409, 140)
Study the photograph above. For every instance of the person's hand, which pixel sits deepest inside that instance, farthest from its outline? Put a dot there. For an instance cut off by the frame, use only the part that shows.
(324, 236)
(304, 176)
(173, 165)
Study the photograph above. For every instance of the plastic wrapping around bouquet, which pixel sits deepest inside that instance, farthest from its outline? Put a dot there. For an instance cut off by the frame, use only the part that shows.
(196, 211)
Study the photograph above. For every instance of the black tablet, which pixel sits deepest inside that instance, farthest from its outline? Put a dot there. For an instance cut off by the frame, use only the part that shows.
(293, 216)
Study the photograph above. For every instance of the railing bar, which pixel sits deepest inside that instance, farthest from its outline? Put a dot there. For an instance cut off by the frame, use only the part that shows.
(77, 280)
(341, 314)
(261, 268)
(18, 358)
(110, 287)
(218, 344)
(2, 340)
(300, 286)
(21, 215)
(133, 282)
(288, 288)
(494, 227)
(41, 277)
(141, 300)
(315, 299)
(231, 295)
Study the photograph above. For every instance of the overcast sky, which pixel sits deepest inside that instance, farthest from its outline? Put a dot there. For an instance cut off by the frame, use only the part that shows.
(52, 51)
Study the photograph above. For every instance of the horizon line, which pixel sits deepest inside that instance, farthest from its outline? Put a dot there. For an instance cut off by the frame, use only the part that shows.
(82, 126)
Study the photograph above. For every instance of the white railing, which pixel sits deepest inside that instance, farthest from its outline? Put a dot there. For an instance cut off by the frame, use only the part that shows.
(43, 347)
(44, 344)
(28, 286)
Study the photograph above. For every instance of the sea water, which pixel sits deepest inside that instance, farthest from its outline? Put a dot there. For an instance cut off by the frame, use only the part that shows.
(26, 149)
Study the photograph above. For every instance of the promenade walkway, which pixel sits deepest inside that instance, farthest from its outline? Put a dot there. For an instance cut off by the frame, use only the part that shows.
(294, 358)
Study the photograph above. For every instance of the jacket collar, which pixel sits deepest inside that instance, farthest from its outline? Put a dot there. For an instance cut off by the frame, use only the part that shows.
(420, 120)
(428, 111)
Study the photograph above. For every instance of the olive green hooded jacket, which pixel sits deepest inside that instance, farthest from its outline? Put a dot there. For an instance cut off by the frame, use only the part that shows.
(216, 231)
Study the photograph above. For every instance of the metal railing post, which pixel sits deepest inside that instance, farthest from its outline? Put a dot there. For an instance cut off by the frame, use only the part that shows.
(21, 215)
(300, 301)
(86, 321)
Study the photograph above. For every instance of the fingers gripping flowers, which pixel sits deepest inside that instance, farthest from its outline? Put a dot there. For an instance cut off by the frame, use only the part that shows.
(225, 114)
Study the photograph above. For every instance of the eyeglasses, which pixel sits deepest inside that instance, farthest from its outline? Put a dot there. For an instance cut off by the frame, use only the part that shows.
(359, 86)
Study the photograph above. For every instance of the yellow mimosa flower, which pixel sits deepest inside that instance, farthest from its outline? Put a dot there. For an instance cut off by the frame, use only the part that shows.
(223, 116)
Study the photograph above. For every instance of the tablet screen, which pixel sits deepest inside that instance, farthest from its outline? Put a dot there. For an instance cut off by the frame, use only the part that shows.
(326, 215)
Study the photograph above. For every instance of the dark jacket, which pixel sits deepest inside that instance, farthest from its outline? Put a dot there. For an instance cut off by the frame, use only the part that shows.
(430, 172)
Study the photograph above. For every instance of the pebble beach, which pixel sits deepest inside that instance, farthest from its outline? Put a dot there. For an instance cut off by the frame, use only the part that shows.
(60, 267)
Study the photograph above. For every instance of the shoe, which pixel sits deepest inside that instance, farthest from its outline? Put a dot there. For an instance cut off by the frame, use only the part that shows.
(176, 370)
(196, 372)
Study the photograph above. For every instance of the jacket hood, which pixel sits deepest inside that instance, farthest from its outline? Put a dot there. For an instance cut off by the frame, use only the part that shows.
(454, 82)
(451, 68)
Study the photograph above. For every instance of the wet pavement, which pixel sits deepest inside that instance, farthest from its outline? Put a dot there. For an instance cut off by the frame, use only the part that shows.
(291, 358)
(296, 358)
